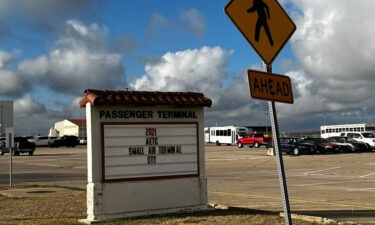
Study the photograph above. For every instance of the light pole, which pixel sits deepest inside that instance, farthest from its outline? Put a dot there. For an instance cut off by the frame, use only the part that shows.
(266, 114)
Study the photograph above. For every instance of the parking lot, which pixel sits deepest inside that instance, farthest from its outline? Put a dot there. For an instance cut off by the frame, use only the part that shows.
(329, 185)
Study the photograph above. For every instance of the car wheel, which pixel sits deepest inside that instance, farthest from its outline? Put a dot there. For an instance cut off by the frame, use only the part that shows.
(218, 143)
(256, 145)
(240, 145)
(296, 151)
(31, 153)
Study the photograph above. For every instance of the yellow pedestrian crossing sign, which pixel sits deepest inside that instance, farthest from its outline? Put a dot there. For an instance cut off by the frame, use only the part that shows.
(264, 23)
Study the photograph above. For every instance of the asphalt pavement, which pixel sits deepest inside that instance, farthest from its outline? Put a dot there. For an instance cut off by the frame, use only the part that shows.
(337, 186)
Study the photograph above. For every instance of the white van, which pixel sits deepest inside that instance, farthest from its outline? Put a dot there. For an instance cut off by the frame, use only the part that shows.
(225, 135)
(42, 140)
(365, 137)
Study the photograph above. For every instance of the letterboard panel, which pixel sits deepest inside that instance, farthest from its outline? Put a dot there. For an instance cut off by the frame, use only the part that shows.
(141, 151)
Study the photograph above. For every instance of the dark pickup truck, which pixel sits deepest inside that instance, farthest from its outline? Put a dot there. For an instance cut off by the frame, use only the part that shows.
(21, 145)
(66, 140)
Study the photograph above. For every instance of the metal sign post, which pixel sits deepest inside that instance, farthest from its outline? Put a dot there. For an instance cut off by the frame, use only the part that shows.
(9, 143)
(279, 157)
(267, 27)
(10, 166)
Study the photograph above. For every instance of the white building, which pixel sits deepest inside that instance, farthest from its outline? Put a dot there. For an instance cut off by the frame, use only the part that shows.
(76, 127)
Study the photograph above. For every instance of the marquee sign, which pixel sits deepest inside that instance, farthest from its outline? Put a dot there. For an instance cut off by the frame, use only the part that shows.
(149, 150)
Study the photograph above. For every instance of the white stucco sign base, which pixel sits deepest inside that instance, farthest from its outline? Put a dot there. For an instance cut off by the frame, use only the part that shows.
(144, 161)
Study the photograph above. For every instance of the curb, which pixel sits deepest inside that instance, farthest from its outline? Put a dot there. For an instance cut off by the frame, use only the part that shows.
(318, 219)
(315, 219)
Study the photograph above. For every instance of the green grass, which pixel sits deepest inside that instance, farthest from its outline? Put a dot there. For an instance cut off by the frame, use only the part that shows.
(68, 208)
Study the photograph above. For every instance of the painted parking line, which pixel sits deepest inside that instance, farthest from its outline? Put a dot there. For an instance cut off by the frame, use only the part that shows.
(367, 175)
(327, 183)
(294, 200)
(39, 164)
(316, 171)
(362, 189)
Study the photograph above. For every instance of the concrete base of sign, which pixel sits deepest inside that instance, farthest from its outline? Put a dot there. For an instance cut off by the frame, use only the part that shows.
(111, 201)
(164, 212)
(270, 152)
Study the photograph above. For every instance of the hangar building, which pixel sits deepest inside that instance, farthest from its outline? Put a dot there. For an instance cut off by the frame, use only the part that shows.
(76, 127)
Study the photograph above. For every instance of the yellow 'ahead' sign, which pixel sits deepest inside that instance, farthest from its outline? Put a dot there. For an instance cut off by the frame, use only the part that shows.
(270, 86)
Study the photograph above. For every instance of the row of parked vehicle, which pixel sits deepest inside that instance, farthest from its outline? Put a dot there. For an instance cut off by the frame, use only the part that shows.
(27, 145)
(53, 142)
(346, 142)
(296, 146)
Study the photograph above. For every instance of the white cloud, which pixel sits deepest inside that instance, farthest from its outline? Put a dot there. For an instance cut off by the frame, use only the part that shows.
(34, 117)
(12, 84)
(189, 70)
(195, 21)
(190, 20)
(335, 48)
(44, 15)
(5, 59)
(26, 107)
(204, 70)
(79, 60)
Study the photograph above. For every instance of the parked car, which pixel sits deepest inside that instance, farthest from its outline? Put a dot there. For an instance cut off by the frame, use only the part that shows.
(21, 145)
(41, 140)
(349, 144)
(66, 140)
(365, 137)
(295, 146)
(321, 145)
(254, 140)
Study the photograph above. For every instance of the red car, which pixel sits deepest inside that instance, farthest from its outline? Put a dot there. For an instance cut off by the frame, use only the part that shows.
(322, 145)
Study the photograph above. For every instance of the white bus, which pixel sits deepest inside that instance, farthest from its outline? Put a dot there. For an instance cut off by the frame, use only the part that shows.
(336, 130)
(224, 135)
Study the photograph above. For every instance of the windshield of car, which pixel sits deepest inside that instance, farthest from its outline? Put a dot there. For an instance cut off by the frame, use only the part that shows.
(350, 140)
(368, 135)
(20, 139)
(337, 140)
(242, 134)
(320, 140)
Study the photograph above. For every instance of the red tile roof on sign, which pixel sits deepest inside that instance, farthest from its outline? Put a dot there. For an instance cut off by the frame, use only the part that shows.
(144, 98)
(78, 122)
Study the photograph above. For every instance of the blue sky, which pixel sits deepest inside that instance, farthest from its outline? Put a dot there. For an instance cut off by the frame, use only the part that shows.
(50, 51)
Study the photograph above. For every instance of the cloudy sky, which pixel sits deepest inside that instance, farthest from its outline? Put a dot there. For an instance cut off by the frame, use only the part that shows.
(52, 50)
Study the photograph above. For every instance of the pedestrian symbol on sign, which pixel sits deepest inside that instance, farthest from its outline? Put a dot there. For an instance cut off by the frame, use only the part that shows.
(263, 14)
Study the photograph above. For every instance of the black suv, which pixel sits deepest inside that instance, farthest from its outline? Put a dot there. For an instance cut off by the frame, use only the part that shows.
(21, 145)
(66, 140)
(295, 146)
